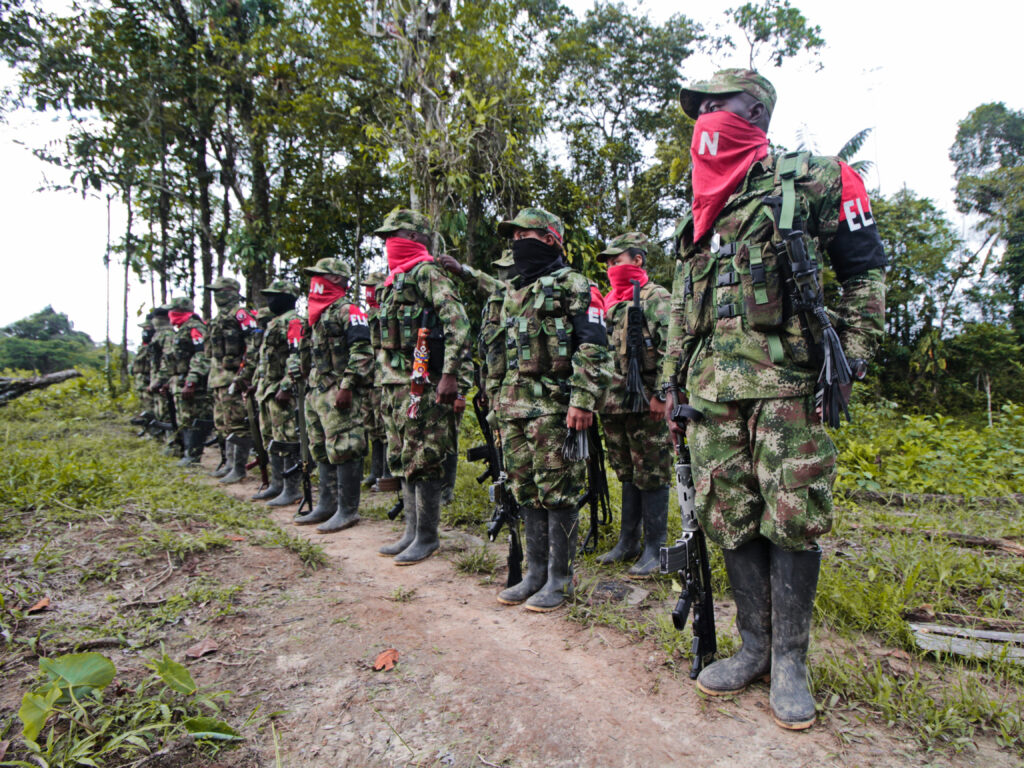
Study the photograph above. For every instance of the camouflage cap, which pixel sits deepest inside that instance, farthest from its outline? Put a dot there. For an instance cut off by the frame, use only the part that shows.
(405, 218)
(374, 278)
(329, 266)
(623, 243)
(728, 81)
(224, 284)
(180, 304)
(160, 310)
(506, 260)
(282, 286)
(533, 218)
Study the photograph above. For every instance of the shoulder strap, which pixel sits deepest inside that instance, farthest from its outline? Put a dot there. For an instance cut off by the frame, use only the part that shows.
(787, 169)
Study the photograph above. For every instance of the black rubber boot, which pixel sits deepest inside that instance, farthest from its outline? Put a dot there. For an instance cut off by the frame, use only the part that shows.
(327, 499)
(794, 583)
(190, 454)
(409, 499)
(749, 569)
(563, 528)
(347, 513)
(238, 448)
(292, 490)
(428, 517)
(227, 446)
(654, 505)
(451, 471)
(536, 525)
(628, 547)
(385, 467)
(276, 462)
(376, 462)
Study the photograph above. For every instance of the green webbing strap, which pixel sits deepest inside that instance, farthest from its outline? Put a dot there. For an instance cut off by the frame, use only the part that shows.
(775, 348)
(757, 275)
(787, 174)
(524, 340)
(563, 337)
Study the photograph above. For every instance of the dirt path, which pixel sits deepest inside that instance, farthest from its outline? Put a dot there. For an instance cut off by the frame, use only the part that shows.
(478, 683)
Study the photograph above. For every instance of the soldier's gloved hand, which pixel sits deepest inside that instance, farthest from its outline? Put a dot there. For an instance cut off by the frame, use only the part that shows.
(188, 392)
(450, 263)
(283, 397)
(460, 403)
(294, 368)
(670, 403)
(343, 400)
(447, 389)
(578, 418)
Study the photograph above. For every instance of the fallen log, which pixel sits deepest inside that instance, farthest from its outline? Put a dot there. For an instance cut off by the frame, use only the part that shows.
(1003, 545)
(926, 614)
(976, 643)
(11, 388)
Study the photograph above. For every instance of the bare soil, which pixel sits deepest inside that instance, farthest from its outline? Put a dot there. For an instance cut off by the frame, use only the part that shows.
(476, 683)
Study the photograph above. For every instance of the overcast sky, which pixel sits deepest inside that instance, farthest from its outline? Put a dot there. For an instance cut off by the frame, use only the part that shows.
(908, 70)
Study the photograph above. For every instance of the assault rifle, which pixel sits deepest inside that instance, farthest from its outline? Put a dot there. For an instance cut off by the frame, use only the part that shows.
(800, 273)
(689, 558)
(635, 398)
(506, 509)
(257, 441)
(586, 446)
(145, 420)
(305, 463)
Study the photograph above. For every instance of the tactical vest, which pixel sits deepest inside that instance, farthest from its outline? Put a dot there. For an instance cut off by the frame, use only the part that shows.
(403, 312)
(620, 334)
(226, 339)
(184, 347)
(274, 350)
(329, 342)
(539, 336)
(745, 278)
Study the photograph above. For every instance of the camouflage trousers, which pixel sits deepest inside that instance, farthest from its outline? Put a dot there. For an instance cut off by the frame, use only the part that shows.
(335, 437)
(639, 449)
(229, 415)
(762, 467)
(417, 446)
(278, 421)
(533, 460)
(373, 417)
(199, 408)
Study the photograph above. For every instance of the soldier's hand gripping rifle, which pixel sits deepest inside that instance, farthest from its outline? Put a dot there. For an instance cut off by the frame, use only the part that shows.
(689, 558)
(635, 399)
(800, 273)
(506, 509)
(305, 465)
(262, 460)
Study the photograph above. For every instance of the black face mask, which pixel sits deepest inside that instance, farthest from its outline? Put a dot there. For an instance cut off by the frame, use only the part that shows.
(279, 303)
(534, 258)
(147, 335)
(225, 299)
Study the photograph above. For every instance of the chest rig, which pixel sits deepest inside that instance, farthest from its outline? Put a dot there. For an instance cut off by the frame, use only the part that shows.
(750, 277)
(538, 337)
(329, 342)
(403, 311)
(184, 348)
(226, 339)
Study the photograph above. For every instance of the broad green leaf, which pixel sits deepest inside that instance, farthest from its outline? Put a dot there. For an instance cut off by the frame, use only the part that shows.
(34, 711)
(210, 728)
(78, 673)
(175, 675)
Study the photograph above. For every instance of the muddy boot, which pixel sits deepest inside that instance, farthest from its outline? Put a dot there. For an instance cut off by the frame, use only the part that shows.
(749, 572)
(238, 457)
(451, 471)
(563, 527)
(226, 446)
(276, 462)
(347, 513)
(189, 454)
(327, 499)
(428, 517)
(654, 505)
(385, 470)
(794, 581)
(292, 490)
(536, 524)
(376, 464)
(628, 547)
(409, 500)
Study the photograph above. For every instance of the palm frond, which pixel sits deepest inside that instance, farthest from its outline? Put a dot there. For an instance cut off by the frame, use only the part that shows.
(853, 145)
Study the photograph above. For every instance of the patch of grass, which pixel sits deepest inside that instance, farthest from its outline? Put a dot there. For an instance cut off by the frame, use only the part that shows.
(402, 595)
(477, 561)
(311, 555)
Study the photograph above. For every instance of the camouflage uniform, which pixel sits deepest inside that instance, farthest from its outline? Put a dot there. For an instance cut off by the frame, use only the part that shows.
(763, 462)
(225, 358)
(421, 296)
(373, 415)
(194, 410)
(163, 337)
(141, 370)
(639, 447)
(556, 357)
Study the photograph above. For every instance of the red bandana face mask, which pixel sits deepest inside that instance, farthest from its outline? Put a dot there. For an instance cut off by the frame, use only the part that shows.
(322, 293)
(371, 297)
(723, 149)
(179, 317)
(403, 255)
(621, 277)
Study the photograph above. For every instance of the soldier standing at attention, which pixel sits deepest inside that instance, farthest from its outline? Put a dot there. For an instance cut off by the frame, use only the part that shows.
(188, 385)
(375, 432)
(254, 342)
(140, 368)
(274, 392)
(763, 462)
(418, 296)
(557, 369)
(225, 353)
(638, 440)
(163, 337)
(340, 377)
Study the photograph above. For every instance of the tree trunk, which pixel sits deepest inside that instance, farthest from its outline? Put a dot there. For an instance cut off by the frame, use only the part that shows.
(128, 251)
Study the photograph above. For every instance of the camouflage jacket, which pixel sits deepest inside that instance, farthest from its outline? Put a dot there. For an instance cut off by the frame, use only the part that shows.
(187, 341)
(556, 346)
(339, 348)
(281, 339)
(491, 342)
(731, 334)
(422, 297)
(140, 366)
(656, 303)
(373, 318)
(225, 347)
(163, 337)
